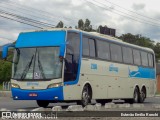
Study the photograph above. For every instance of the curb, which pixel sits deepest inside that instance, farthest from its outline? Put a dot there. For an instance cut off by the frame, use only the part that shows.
(5, 94)
(75, 108)
(157, 96)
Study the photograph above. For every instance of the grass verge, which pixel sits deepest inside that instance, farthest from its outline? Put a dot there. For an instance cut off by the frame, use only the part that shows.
(1, 87)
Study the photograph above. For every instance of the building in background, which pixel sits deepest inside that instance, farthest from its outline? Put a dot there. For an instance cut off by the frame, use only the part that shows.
(107, 31)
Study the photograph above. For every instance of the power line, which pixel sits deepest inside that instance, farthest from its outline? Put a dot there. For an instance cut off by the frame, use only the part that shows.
(132, 11)
(7, 38)
(20, 21)
(26, 13)
(120, 14)
(131, 16)
(26, 19)
(31, 9)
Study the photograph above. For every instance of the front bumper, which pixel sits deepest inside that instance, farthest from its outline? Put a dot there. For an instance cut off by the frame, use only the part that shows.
(47, 94)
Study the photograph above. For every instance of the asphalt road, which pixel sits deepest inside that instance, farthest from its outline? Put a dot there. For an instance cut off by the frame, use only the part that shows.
(8, 103)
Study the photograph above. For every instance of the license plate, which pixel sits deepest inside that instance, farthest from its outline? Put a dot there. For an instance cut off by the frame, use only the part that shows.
(33, 95)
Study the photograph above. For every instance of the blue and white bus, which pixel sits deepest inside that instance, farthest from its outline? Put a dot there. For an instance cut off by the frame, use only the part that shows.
(59, 65)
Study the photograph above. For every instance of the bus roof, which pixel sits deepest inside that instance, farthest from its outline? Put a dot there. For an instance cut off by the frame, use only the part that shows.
(95, 34)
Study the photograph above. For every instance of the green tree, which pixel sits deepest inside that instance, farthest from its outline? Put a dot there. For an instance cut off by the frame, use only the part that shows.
(59, 25)
(5, 71)
(137, 40)
(87, 25)
(157, 51)
(81, 24)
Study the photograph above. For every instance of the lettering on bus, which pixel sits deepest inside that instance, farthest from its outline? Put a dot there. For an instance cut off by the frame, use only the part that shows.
(113, 68)
(32, 83)
(94, 66)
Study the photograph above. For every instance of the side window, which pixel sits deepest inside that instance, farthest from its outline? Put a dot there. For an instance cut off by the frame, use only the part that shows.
(127, 55)
(116, 52)
(92, 48)
(144, 58)
(136, 57)
(85, 47)
(150, 60)
(72, 56)
(103, 50)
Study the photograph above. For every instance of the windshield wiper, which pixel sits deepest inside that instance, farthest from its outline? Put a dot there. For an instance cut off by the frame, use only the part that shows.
(40, 67)
(27, 68)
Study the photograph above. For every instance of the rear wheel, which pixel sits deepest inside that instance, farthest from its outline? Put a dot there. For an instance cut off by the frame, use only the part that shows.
(142, 96)
(136, 95)
(135, 98)
(42, 103)
(104, 101)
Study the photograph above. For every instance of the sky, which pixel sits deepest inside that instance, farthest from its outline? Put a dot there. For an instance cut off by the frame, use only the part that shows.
(126, 16)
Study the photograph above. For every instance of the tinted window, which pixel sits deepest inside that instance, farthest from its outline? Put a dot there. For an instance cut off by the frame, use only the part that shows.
(92, 48)
(72, 57)
(103, 51)
(127, 55)
(150, 60)
(136, 57)
(144, 58)
(116, 53)
(85, 47)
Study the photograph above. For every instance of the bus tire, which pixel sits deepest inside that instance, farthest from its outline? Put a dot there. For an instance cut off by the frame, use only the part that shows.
(142, 95)
(86, 96)
(135, 98)
(42, 103)
(136, 95)
(103, 101)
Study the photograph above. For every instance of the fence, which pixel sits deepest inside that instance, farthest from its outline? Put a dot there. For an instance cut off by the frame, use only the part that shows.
(6, 86)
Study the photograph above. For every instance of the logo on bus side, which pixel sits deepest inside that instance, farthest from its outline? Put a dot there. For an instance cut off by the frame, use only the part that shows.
(94, 66)
(113, 68)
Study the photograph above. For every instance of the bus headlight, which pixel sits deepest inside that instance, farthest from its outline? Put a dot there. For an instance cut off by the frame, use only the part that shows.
(54, 85)
(13, 85)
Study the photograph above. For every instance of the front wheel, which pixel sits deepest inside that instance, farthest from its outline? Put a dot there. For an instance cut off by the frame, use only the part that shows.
(86, 96)
(42, 103)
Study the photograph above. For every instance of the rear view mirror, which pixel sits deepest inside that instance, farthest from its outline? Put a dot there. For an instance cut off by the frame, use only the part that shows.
(5, 50)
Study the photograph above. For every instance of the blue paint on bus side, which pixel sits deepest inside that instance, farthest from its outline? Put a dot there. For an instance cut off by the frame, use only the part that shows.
(148, 73)
(47, 94)
(40, 39)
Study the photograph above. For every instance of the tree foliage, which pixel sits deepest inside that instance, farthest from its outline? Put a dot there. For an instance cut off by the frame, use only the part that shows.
(60, 25)
(80, 24)
(137, 40)
(6, 67)
(86, 26)
(157, 51)
(5, 71)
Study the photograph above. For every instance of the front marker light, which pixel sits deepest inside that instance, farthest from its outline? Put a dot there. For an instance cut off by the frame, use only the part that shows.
(13, 85)
(55, 85)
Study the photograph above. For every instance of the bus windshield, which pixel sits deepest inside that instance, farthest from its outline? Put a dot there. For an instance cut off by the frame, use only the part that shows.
(36, 63)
